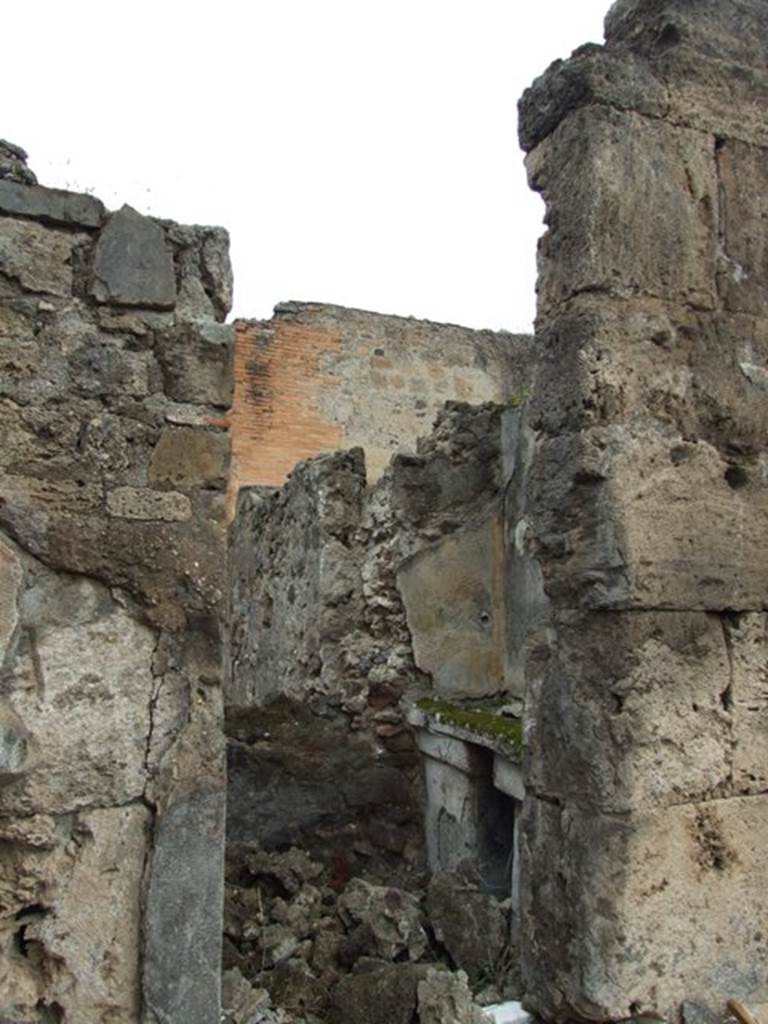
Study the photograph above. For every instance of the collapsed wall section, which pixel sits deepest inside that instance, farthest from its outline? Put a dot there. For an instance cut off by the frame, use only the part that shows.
(116, 371)
(640, 518)
(329, 632)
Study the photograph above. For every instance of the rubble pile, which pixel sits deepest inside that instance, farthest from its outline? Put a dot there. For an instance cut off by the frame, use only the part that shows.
(305, 944)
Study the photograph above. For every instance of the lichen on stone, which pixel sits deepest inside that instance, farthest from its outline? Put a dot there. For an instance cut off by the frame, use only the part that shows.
(483, 721)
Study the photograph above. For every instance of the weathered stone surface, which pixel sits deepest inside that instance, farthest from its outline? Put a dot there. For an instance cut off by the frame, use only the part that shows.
(644, 888)
(445, 998)
(386, 995)
(197, 363)
(94, 918)
(299, 778)
(453, 597)
(103, 716)
(615, 509)
(217, 270)
(14, 744)
(13, 164)
(187, 457)
(747, 637)
(38, 258)
(631, 714)
(294, 600)
(141, 503)
(182, 951)
(50, 205)
(204, 272)
(638, 487)
(10, 582)
(743, 215)
(64, 677)
(670, 214)
(726, 32)
(469, 923)
(592, 75)
(392, 916)
(132, 263)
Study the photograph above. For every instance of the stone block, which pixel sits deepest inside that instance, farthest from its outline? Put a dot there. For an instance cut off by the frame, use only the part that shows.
(188, 457)
(690, 524)
(716, 97)
(182, 924)
(141, 503)
(733, 33)
(386, 995)
(630, 712)
(748, 699)
(445, 996)
(508, 777)
(50, 205)
(743, 256)
(669, 212)
(92, 925)
(197, 363)
(38, 258)
(453, 597)
(132, 264)
(592, 75)
(83, 692)
(217, 269)
(13, 164)
(697, 375)
(469, 923)
(466, 757)
(632, 915)
(634, 516)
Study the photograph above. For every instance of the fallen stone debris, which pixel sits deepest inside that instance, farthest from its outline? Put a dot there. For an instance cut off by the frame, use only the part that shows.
(303, 946)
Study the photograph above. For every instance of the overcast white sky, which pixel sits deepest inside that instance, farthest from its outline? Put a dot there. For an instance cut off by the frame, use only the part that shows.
(362, 152)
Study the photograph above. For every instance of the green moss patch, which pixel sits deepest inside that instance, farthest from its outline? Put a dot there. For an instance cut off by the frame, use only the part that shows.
(482, 722)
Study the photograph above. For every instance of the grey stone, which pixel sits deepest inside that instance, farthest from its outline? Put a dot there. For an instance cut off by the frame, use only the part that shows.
(454, 601)
(14, 744)
(444, 998)
(190, 457)
(141, 503)
(625, 871)
(383, 996)
(11, 575)
(674, 231)
(470, 924)
(392, 916)
(132, 263)
(697, 1013)
(197, 362)
(182, 927)
(51, 205)
(37, 257)
(592, 75)
(13, 164)
(724, 31)
(217, 270)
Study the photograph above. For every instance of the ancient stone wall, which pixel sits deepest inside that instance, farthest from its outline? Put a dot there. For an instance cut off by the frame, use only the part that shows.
(113, 467)
(318, 378)
(639, 521)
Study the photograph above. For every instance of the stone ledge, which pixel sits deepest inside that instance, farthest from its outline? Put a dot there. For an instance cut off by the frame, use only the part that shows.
(51, 205)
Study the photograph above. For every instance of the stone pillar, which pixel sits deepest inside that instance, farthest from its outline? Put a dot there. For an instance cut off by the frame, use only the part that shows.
(113, 468)
(643, 516)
